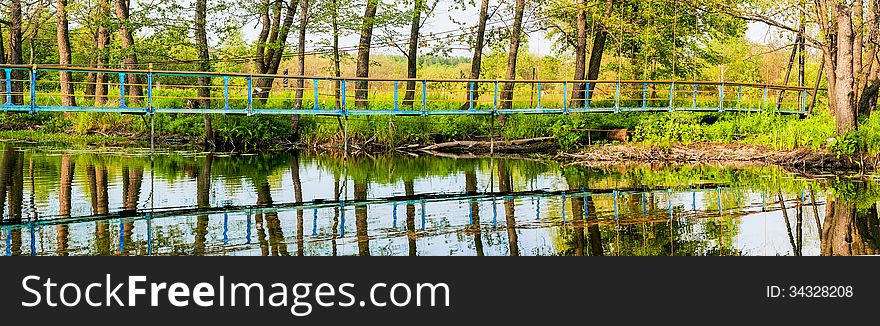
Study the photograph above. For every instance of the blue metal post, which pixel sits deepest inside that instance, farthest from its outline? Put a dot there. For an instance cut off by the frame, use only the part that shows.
(721, 98)
(150, 233)
(33, 237)
(315, 89)
(150, 92)
(617, 98)
(672, 96)
(471, 96)
(695, 96)
(226, 93)
(250, 94)
(225, 228)
(586, 206)
(739, 95)
(33, 90)
(470, 211)
(342, 98)
(494, 212)
(539, 95)
(764, 101)
(121, 90)
(538, 209)
(121, 235)
(587, 95)
(616, 218)
(495, 104)
(248, 228)
(315, 223)
(423, 214)
(564, 97)
(342, 219)
(425, 97)
(394, 215)
(396, 105)
(8, 86)
(803, 101)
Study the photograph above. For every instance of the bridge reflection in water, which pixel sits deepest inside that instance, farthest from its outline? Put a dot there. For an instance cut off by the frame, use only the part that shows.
(63, 203)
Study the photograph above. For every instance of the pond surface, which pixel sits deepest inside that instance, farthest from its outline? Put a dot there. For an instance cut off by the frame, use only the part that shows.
(126, 202)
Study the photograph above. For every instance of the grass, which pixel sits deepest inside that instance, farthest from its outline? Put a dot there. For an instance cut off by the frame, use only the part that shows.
(657, 129)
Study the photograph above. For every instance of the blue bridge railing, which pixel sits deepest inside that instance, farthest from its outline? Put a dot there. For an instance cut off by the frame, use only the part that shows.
(40, 89)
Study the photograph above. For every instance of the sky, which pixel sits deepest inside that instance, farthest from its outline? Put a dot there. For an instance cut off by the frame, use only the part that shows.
(440, 21)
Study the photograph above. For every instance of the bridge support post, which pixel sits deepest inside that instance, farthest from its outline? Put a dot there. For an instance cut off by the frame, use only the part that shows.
(226, 93)
(8, 86)
(739, 95)
(150, 109)
(721, 98)
(122, 90)
(564, 98)
(617, 97)
(345, 137)
(671, 97)
(33, 89)
(764, 100)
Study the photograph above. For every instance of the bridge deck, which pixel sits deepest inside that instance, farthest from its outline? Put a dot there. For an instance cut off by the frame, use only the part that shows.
(33, 89)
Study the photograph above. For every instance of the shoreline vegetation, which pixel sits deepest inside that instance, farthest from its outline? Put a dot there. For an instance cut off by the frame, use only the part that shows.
(801, 144)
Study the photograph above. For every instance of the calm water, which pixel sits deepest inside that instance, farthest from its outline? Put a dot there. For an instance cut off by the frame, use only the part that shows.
(124, 202)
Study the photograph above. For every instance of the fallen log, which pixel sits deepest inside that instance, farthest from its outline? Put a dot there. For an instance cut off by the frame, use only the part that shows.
(474, 143)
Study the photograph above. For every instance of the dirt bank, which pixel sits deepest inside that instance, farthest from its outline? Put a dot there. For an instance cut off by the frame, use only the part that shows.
(737, 154)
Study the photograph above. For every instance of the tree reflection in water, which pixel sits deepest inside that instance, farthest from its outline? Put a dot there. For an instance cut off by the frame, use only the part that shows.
(613, 211)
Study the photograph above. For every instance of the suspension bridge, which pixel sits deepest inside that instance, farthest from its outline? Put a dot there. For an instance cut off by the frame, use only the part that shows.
(34, 89)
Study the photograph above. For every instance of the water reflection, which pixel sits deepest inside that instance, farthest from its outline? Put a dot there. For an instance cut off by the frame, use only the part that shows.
(60, 202)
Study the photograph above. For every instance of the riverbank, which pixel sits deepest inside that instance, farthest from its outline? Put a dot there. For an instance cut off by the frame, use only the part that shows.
(684, 137)
(539, 148)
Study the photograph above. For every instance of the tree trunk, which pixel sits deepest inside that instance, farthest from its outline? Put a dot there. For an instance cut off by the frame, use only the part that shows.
(412, 52)
(515, 35)
(15, 53)
(126, 33)
(360, 214)
(599, 38)
(301, 55)
(362, 87)
(470, 186)
(204, 92)
(411, 235)
(68, 98)
(846, 119)
(580, 55)
(505, 182)
(337, 70)
(103, 45)
(858, 24)
(271, 43)
(477, 60)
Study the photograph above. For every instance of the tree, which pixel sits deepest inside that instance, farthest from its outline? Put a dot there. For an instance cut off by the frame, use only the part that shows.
(64, 58)
(599, 38)
(515, 36)
(204, 92)
(580, 69)
(15, 53)
(126, 35)
(271, 42)
(412, 52)
(363, 58)
(477, 59)
(301, 56)
(837, 39)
